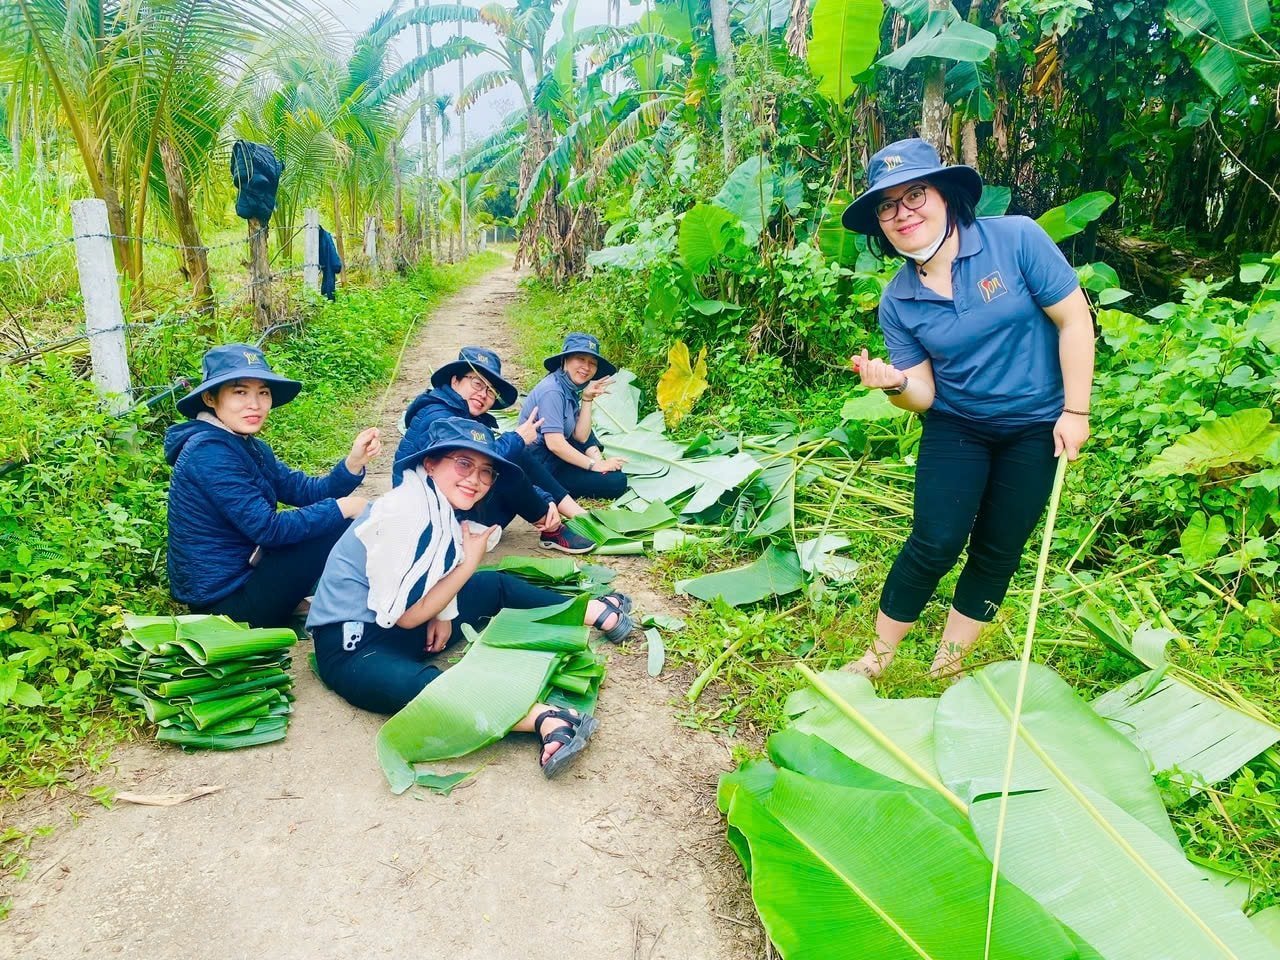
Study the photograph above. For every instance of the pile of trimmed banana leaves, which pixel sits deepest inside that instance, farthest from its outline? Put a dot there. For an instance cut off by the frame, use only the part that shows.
(207, 682)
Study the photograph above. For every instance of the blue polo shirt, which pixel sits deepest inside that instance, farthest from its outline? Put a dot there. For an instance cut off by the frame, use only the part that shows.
(994, 350)
(558, 407)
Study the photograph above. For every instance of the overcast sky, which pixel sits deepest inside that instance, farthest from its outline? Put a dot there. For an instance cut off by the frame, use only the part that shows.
(485, 116)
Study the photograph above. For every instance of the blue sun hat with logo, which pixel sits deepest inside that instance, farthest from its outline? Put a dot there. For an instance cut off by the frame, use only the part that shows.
(484, 363)
(900, 163)
(462, 433)
(581, 343)
(237, 361)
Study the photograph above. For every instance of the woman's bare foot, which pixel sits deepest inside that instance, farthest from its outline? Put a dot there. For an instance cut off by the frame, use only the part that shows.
(871, 664)
(948, 662)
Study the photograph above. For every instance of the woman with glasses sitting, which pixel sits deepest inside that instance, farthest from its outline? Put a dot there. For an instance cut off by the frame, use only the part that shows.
(401, 583)
(472, 386)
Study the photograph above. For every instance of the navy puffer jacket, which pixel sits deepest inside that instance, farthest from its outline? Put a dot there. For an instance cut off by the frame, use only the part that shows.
(223, 502)
(432, 405)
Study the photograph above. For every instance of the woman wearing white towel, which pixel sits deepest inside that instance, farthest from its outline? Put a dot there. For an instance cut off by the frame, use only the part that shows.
(402, 581)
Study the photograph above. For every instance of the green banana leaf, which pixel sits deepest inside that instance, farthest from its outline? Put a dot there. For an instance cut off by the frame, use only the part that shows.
(205, 715)
(204, 639)
(444, 783)
(853, 859)
(189, 685)
(907, 725)
(776, 572)
(656, 516)
(541, 570)
(277, 678)
(1180, 729)
(266, 730)
(1085, 832)
(477, 701)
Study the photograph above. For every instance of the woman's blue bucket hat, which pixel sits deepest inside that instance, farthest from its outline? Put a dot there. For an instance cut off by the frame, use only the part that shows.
(483, 362)
(581, 343)
(462, 433)
(237, 361)
(900, 163)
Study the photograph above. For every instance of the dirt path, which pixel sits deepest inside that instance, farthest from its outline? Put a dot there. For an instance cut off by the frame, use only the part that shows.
(306, 853)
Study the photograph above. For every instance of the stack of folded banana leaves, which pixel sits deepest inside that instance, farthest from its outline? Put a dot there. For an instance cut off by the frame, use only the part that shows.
(207, 681)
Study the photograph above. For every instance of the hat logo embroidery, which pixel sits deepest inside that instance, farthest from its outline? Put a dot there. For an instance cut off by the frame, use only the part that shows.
(892, 163)
(479, 437)
(250, 358)
(992, 286)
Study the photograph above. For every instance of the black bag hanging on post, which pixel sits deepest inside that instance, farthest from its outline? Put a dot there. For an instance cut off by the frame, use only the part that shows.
(255, 171)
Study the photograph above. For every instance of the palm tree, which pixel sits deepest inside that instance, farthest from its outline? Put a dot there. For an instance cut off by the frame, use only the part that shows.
(136, 81)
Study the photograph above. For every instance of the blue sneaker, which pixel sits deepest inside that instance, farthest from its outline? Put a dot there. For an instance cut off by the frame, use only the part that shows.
(566, 541)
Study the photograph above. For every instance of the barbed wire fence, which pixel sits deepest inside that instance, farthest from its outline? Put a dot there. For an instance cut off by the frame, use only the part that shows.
(105, 328)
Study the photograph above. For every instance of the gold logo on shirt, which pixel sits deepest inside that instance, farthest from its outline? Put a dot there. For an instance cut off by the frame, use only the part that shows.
(992, 286)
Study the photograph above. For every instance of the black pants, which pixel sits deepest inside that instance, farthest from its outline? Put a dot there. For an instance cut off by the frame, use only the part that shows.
(388, 667)
(278, 583)
(584, 483)
(978, 482)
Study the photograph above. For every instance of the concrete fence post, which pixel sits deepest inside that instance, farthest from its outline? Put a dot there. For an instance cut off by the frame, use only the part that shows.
(371, 242)
(103, 315)
(311, 249)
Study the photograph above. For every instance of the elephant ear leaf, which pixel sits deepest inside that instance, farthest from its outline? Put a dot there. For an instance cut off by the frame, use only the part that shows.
(1243, 437)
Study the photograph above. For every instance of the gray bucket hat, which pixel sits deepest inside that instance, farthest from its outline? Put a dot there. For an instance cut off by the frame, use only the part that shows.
(237, 361)
(900, 163)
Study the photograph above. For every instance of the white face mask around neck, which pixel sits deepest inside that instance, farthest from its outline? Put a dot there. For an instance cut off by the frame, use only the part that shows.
(924, 254)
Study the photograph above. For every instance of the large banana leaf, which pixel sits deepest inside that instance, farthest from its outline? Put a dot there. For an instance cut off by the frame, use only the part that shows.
(1085, 834)
(493, 686)
(944, 35)
(658, 470)
(870, 867)
(906, 724)
(1180, 729)
(846, 36)
(776, 572)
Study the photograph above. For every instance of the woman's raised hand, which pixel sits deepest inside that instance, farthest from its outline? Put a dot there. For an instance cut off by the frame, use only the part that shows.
(528, 430)
(475, 541)
(875, 372)
(366, 446)
(597, 388)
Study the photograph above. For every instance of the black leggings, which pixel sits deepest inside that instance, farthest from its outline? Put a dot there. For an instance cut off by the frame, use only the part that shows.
(388, 667)
(978, 482)
(585, 483)
(282, 578)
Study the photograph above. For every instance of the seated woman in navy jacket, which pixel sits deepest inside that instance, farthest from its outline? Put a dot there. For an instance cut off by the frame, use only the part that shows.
(472, 386)
(231, 550)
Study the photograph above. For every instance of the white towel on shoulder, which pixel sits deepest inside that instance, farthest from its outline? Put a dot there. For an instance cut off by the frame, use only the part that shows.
(390, 537)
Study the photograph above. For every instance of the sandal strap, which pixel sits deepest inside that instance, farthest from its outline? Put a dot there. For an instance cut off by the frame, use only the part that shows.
(611, 606)
(561, 735)
(573, 719)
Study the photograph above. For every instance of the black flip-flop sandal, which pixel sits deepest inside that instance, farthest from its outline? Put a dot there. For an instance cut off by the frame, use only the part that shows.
(572, 739)
(622, 627)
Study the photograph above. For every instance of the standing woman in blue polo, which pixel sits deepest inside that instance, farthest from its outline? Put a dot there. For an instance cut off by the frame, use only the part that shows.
(232, 550)
(567, 446)
(990, 339)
